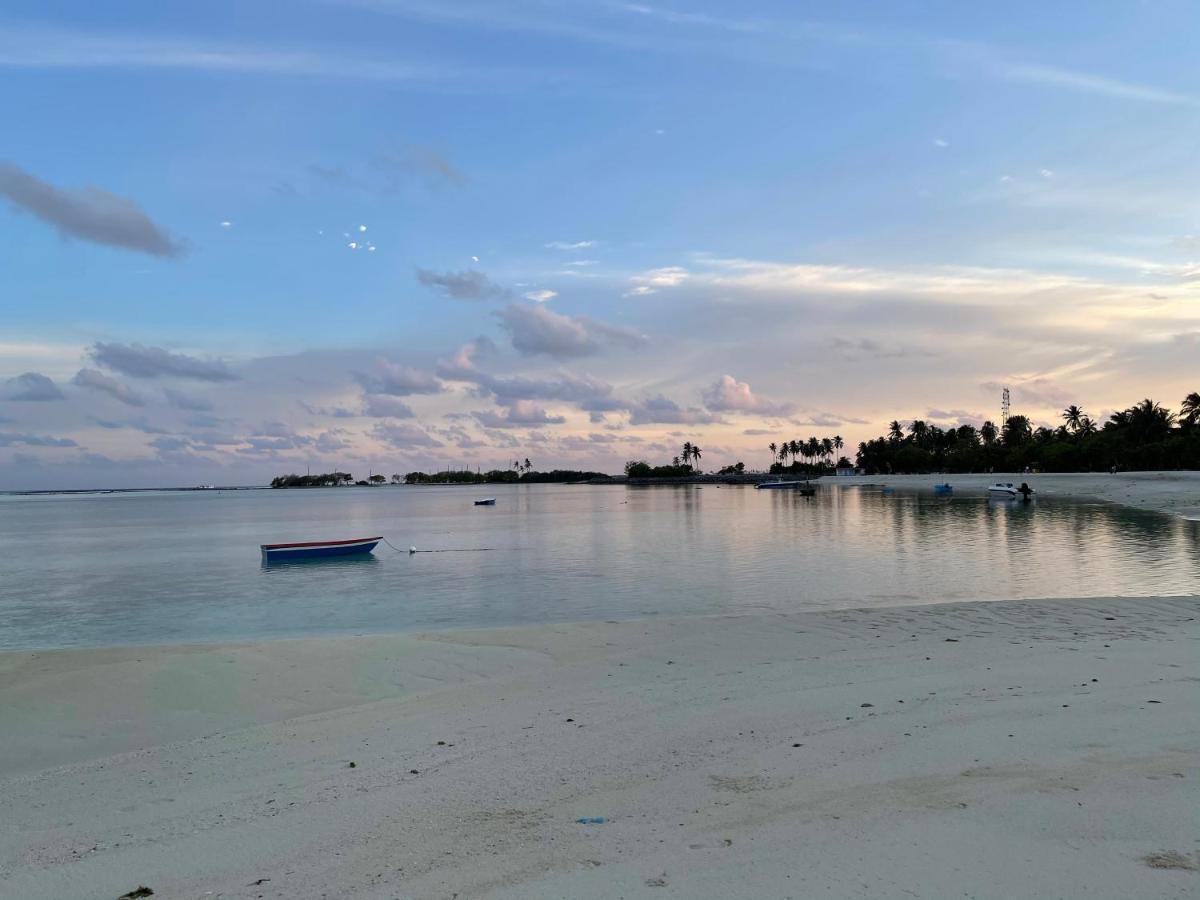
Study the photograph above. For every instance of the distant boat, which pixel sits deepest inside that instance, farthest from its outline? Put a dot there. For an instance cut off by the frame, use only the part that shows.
(488, 501)
(317, 549)
(943, 488)
(803, 487)
(1007, 491)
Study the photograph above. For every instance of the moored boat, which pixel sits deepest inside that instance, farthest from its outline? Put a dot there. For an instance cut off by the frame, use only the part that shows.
(317, 549)
(487, 501)
(1008, 491)
(802, 486)
(944, 488)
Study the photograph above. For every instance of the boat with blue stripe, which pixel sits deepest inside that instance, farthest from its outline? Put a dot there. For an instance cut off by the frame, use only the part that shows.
(317, 549)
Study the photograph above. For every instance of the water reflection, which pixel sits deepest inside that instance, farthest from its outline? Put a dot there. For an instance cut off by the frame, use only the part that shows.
(187, 567)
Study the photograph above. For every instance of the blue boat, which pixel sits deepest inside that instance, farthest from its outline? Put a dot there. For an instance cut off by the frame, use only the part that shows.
(943, 489)
(317, 549)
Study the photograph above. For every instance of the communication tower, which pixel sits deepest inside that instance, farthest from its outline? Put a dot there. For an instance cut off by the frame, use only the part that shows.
(1005, 406)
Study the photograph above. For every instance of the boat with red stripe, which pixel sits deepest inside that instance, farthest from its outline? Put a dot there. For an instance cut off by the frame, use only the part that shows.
(317, 549)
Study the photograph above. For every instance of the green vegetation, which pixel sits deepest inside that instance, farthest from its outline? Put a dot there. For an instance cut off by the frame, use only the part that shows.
(502, 476)
(817, 453)
(680, 466)
(330, 479)
(1145, 436)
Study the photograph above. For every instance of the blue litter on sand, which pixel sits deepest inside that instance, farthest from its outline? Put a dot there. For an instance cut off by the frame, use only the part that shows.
(590, 820)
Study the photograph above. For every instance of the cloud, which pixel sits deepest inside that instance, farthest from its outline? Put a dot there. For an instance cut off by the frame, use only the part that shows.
(49, 48)
(30, 387)
(96, 380)
(520, 414)
(955, 417)
(425, 161)
(821, 419)
(90, 214)
(154, 362)
(465, 285)
(1038, 391)
(9, 439)
(184, 401)
(941, 143)
(650, 281)
(389, 172)
(858, 348)
(384, 406)
(542, 296)
(1093, 84)
(535, 330)
(660, 410)
(730, 395)
(398, 380)
(571, 245)
(403, 437)
(756, 432)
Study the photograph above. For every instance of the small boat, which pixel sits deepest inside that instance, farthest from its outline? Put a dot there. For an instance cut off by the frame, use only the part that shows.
(803, 487)
(487, 501)
(317, 549)
(944, 488)
(1008, 491)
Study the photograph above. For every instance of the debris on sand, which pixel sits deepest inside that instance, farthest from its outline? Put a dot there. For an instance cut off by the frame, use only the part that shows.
(140, 891)
(1169, 859)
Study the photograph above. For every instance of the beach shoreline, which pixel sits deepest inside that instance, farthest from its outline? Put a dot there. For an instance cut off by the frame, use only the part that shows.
(936, 750)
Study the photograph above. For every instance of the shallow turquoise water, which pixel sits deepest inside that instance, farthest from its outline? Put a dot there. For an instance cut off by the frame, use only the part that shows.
(113, 569)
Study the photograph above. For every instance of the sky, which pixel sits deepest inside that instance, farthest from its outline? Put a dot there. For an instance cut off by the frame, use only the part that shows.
(244, 239)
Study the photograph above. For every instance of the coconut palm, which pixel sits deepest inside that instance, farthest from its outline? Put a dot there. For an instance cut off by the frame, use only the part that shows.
(838, 443)
(687, 452)
(774, 448)
(1087, 425)
(1189, 410)
(696, 454)
(1073, 415)
(826, 447)
(796, 449)
(987, 431)
(895, 431)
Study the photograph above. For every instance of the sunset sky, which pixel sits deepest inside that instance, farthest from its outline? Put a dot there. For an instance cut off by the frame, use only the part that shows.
(242, 239)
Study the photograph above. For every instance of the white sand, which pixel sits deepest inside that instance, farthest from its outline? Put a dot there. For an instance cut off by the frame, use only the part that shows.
(1177, 493)
(1021, 759)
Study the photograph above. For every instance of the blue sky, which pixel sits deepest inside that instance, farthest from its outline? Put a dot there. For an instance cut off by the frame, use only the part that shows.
(592, 230)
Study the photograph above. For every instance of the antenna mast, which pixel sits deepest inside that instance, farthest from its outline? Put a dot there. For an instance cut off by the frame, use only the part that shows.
(1005, 406)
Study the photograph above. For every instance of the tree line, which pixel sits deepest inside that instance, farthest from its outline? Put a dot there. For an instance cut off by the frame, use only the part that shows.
(817, 453)
(1144, 436)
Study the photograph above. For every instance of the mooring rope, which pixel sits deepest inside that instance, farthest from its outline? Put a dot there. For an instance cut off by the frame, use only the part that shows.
(412, 550)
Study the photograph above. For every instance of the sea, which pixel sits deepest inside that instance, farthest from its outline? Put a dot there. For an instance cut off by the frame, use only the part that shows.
(115, 569)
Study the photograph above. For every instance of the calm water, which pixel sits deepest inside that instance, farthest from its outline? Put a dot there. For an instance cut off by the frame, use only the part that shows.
(135, 568)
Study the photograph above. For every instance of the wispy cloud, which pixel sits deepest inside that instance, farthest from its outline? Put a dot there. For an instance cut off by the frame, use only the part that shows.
(58, 48)
(1092, 84)
(537, 330)
(571, 245)
(90, 214)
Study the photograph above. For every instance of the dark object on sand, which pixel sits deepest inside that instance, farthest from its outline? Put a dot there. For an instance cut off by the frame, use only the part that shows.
(140, 891)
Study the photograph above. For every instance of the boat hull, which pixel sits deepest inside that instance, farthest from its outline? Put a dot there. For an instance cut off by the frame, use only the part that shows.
(318, 549)
(489, 502)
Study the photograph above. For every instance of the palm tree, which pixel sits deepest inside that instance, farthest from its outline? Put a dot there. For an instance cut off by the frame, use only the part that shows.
(687, 452)
(675, 461)
(528, 464)
(812, 448)
(796, 449)
(774, 450)
(696, 454)
(1073, 415)
(784, 448)
(1087, 425)
(919, 431)
(987, 431)
(826, 447)
(838, 443)
(1189, 410)
(896, 431)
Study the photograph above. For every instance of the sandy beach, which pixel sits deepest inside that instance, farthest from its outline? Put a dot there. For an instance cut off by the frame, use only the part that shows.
(989, 750)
